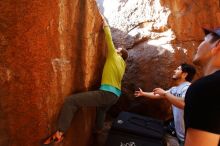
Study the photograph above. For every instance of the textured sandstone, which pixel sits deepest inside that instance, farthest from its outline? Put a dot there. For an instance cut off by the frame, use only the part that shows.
(48, 50)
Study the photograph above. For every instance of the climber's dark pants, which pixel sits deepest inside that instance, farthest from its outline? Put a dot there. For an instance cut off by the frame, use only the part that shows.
(103, 100)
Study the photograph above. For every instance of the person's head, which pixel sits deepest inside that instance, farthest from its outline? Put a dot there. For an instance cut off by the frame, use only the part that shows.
(184, 72)
(205, 50)
(123, 52)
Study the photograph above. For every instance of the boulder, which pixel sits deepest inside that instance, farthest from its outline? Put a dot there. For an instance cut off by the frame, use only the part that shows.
(48, 50)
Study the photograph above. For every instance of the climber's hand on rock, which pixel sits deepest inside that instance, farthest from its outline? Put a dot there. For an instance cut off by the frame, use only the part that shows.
(104, 21)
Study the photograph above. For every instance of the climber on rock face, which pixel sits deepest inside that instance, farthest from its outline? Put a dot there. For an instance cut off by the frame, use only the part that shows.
(107, 95)
(182, 76)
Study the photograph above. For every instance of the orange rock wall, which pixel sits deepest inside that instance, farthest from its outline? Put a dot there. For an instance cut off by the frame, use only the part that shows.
(187, 17)
(48, 50)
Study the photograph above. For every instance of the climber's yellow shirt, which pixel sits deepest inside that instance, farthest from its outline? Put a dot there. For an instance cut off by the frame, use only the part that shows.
(114, 67)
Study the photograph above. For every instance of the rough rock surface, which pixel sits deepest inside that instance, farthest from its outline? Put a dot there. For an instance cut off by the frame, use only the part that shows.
(48, 50)
(160, 34)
